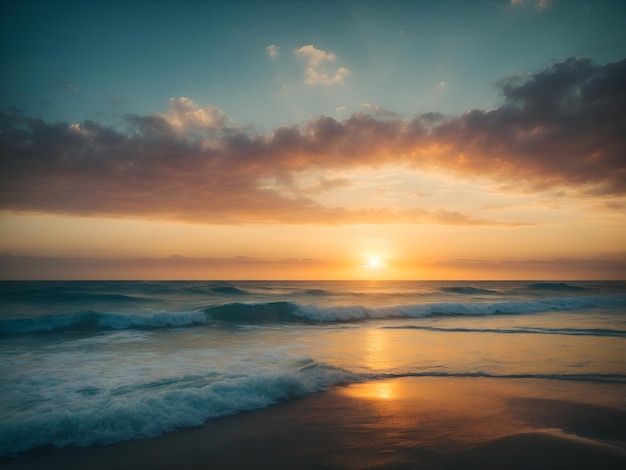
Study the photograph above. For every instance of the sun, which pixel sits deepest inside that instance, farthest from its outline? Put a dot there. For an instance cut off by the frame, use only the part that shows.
(373, 262)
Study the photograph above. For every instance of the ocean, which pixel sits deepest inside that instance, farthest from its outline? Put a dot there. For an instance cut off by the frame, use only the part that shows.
(95, 363)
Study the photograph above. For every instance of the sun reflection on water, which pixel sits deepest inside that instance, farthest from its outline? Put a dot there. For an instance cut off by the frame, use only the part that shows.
(378, 349)
(384, 390)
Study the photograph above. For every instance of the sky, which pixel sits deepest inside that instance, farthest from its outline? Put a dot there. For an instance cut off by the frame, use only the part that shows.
(313, 140)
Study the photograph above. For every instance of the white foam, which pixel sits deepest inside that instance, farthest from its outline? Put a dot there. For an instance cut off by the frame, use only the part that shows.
(342, 313)
(139, 412)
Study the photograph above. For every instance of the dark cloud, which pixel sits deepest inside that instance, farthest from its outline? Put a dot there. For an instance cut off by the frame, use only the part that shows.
(561, 129)
(173, 267)
(612, 267)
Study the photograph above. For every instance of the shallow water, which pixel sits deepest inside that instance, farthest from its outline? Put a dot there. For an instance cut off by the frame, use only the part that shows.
(86, 363)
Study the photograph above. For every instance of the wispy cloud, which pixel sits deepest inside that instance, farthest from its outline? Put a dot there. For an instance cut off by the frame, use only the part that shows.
(172, 267)
(560, 129)
(610, 267)
(539, 5)
(316, 70)
(272, 50)
(66, 85)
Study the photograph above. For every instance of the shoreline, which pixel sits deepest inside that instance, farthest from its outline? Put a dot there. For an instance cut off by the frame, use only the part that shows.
(424, 422)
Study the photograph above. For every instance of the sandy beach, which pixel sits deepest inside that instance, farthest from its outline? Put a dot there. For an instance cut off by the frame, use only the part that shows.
(420, 422)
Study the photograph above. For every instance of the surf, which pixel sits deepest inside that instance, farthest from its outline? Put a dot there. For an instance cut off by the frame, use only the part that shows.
(291, 312)
(148, 410)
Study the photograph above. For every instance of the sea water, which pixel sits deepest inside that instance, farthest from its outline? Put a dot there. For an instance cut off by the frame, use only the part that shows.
(94, 363)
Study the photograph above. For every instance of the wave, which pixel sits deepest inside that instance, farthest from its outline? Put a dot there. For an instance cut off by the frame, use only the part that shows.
(355, 313)
(112, 291)
(521, 330)
(184, 402)
(71, 297)
(554, 286)
(94, 321)
(152, 409)
(469, 290)
(321, 292)
(291, 312)
(270, 312)
(229, 290)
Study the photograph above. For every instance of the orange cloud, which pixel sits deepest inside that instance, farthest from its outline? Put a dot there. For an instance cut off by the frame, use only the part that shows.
(561, 128)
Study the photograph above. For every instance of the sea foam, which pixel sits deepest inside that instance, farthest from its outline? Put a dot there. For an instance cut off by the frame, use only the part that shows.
(135, 413)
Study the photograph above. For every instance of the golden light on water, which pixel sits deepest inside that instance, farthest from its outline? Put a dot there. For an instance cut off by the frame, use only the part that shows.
(378, 349)
(376, 390)
(384, 390)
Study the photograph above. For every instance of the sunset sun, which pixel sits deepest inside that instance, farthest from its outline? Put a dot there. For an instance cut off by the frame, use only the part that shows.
(373, 262)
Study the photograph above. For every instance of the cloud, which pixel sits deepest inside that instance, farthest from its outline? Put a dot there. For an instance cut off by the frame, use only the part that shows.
(601, 268)
(66, 85)
(272, 50)
(172, 267)
(184, 115)
(561, 129)
(324, 185)
(379, 111)
(316, 73)
(340, 109)
(538, 5)
(442, 85)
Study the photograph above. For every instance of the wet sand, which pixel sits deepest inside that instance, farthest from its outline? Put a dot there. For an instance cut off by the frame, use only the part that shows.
(426, 423)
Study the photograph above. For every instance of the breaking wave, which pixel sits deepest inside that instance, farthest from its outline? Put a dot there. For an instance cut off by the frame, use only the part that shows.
(179, 403)
(152, 409)
(291, 312)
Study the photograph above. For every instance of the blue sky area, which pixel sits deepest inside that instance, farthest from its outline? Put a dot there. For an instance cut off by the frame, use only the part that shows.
(77, 60)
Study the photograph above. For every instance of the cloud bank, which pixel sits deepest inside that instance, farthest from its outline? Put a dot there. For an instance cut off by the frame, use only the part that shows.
(562, 128)
(181, 267)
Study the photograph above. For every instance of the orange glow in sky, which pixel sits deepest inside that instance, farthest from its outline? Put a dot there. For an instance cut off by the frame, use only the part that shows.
(340, 148)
